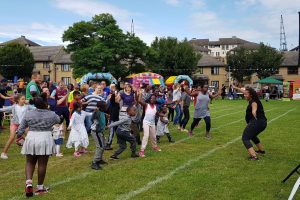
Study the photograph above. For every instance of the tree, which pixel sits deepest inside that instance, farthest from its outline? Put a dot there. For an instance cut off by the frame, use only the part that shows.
(16, 60)
(266, 61)
(168, 56)
(239, 63)
(100, 45)
(243, 63)
(137, 53)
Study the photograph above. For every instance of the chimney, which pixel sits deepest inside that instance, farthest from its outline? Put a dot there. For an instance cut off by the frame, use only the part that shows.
(299, 43)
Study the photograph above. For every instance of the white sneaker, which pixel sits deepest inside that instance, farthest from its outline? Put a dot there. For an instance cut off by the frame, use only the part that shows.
(4, 156)
(59, 155)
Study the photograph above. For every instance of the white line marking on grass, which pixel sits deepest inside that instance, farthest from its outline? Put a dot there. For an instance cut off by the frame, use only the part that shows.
(169, 175)
(187, 138)
(281, 115)
(153, 183)
(173, 128)
(85, 174)
(226, 114)
(221, 109)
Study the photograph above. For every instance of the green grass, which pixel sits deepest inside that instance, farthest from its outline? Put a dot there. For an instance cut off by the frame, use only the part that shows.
(204, 169)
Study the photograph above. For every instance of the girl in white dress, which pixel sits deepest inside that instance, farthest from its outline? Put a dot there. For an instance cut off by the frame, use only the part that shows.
(162, 125)
(78, 135)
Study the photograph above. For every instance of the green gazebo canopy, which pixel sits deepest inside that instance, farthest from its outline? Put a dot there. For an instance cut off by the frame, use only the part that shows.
(270, 80)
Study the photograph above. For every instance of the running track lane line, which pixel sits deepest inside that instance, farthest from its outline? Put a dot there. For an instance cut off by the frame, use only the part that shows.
(153, 183)
(187, 138)
(85, 174)
(172, 128)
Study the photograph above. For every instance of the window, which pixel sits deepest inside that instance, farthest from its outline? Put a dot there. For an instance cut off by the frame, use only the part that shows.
(201, 70)
(66, 80)
(292, 70)
(217, 53)
(227, 47)
(223, 47)
(215, 70)
(46, 77)
(46, 65)
(276, 71)
(215, 83)
(65, 68)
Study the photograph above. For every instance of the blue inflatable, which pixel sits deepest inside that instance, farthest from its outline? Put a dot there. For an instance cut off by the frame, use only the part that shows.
(99, 76)
(184, 77)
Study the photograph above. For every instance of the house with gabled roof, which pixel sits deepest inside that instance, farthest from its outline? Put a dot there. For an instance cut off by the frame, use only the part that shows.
(53, 62)
(221, 47)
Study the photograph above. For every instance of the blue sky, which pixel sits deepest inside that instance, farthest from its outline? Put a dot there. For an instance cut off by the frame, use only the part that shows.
(44, 21)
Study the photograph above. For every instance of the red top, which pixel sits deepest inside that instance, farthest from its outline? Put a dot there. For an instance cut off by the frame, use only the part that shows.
(60, 93)
(71, 106)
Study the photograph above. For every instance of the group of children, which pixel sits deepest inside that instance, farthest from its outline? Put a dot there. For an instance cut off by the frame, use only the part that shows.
(154, 125)
(127, 129)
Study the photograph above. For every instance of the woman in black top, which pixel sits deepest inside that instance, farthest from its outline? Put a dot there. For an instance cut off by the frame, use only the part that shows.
(114, 110)
(256, 122)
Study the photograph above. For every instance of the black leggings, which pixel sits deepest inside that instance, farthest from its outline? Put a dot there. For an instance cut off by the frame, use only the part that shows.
(252, 130)
(186, 118)
(63, 111)
(197, 120)
(124, 137)
(171, 114)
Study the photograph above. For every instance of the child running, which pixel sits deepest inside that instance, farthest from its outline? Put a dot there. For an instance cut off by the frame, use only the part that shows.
(78, 135)
(124, 133)
(149, 125)
(97, 129)
(162, 125)
(18, 111)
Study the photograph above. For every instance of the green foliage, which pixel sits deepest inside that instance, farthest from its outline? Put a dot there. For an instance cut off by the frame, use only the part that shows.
(267, 61)
(100, 45)
(168, 56)
(137, 52)
(216, 169)
(239, 64)
(243, 63)
(16, 60)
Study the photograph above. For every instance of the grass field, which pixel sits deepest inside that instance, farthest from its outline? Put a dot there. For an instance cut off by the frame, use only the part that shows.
(192, 168)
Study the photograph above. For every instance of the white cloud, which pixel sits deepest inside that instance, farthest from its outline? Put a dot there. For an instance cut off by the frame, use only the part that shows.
(262, 25)
(280, 4)
(172, 2)
(246, 3)
(46, 33)
(197, 4)
(210, 25)
(89, 8)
